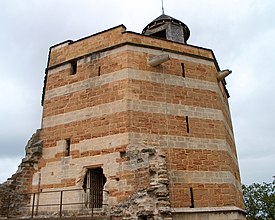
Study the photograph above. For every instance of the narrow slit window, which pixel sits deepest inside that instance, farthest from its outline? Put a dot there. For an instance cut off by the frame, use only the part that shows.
(192, 198)
(123, 154)
(183, 70)
(187, 124)
(68, 147)
(99, 70)
(73, 67)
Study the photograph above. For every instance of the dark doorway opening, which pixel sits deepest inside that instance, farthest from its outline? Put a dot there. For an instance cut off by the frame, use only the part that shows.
(93, 185)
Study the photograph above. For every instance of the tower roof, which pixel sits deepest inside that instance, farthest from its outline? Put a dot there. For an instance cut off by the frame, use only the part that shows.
(166, 22)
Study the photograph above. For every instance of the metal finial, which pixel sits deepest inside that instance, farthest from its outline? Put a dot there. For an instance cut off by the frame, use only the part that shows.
(162, 7)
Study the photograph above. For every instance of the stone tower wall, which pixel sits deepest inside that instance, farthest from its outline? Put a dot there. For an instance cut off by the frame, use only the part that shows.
(129, 118)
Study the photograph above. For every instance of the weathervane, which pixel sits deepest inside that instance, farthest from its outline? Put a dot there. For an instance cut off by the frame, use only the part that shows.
(162, 7)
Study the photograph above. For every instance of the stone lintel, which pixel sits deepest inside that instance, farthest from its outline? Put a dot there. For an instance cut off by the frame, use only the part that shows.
(208, 209)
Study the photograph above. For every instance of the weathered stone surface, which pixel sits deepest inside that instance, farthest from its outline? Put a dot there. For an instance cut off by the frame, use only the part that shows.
(152, 202)
(15, 192)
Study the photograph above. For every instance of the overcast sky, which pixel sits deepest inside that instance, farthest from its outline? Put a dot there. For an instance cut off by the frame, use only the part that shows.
(240, 32)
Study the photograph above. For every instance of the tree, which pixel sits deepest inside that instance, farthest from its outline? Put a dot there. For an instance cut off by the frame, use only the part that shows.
(260, 201)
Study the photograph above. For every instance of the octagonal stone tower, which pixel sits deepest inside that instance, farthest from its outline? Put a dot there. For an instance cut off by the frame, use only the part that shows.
(137, 126)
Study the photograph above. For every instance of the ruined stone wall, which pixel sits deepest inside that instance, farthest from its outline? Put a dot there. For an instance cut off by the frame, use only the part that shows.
(15, 193)
(130, 119)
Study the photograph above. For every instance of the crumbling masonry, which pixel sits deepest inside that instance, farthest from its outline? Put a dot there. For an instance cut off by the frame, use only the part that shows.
(134, 126)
